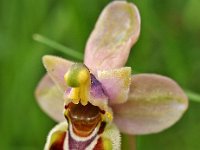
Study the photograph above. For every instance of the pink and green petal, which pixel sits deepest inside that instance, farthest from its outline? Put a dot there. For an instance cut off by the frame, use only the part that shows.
(116, 30)
(50, 98)
(155, 103)
(56, 68)
(116, 83)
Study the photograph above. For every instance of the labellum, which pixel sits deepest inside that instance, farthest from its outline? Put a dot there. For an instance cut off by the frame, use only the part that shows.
(84, 119)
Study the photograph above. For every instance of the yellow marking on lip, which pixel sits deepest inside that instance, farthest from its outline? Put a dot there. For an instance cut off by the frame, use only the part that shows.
(66, 111)
(107, 116)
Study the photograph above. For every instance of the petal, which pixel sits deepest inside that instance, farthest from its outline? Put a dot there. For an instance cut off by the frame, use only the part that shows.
(97, 95)
(50, 98)
(116, 30)
(155, 103)
(56, 68)
(56, 137)
(116, 83)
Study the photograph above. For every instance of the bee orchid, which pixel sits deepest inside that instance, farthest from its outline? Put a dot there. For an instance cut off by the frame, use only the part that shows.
(96, 100)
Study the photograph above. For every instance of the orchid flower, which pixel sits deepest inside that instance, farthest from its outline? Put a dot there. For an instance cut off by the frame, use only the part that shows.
(96, 100)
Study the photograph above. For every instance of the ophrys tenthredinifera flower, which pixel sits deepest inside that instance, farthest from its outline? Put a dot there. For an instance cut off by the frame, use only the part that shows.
(95, 101)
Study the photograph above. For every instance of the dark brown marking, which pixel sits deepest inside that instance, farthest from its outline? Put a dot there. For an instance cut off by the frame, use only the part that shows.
(58, 144)
(84, 119)
(99, 145)
(102, 127)
(66, 106)
(102, 111)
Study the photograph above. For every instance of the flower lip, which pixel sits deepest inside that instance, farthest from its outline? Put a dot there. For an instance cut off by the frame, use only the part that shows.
(84, 119)
(87, 113)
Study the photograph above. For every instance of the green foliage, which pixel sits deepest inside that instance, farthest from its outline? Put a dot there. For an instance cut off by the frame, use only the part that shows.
(168, 45)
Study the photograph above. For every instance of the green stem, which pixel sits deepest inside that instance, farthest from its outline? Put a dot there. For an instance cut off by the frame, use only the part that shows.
(57, 46)
(132, 142)
(193, 96)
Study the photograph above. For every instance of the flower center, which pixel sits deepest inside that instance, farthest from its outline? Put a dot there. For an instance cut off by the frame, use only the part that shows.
(83, 115)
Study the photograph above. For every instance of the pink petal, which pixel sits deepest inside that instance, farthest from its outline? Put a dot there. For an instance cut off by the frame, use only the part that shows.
(155, 103)
(97, 95)
(116, 83)
(56, 68)
(50, 98)
(116, 30)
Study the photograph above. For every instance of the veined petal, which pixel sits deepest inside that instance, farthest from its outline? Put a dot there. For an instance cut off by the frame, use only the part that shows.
(50, 98)
(155, 103)
(116, 83)
(56, 68)
(117, 29)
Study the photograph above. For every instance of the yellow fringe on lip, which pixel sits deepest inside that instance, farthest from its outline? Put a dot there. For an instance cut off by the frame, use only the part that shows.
(78, 77)
(107, 117)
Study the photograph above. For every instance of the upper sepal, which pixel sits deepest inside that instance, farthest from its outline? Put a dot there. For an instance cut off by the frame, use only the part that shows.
(116, 30)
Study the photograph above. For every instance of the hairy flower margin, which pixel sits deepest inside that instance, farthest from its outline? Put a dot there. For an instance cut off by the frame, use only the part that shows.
(132, 104)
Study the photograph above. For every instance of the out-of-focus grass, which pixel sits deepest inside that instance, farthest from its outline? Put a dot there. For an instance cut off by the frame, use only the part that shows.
(169, 45)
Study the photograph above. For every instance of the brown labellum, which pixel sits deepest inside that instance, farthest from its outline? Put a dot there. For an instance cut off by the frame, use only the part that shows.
(84, 119)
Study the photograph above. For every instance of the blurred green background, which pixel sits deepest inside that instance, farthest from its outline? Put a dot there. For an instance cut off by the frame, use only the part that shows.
(169, 45)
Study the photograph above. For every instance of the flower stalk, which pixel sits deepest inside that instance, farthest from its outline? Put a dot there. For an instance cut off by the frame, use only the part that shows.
(57, 46)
